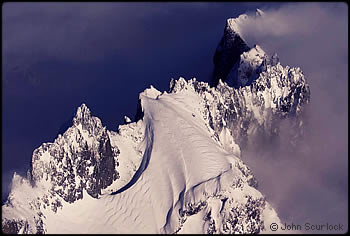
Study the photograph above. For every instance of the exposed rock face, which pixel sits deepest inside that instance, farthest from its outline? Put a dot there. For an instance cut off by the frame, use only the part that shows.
(84, 159)
(14, 226)
(245, 113)
(248, 68)
(264, 92)
(81, 158)
(90, 160)
(235, 62)
(227, 53)
(237, 217)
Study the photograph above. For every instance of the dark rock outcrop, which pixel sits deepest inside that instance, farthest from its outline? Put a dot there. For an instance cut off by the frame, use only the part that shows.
(227, 54)
(81, 158)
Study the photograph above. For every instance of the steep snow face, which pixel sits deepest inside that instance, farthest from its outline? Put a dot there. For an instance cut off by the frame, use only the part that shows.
(84, 160)
(177, 167)
(184, 174)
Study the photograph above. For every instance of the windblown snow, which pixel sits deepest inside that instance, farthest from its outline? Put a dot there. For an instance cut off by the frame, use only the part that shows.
(186, 182)
(177, 168)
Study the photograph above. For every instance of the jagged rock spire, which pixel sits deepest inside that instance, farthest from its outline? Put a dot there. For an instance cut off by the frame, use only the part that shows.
(259, 12)
(235, 62)
(88, 122)
(227, 53)
(83, 115)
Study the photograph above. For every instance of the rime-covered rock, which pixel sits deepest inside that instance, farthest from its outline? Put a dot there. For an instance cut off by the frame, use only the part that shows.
(81, 158)
(244, 113)
(177, 167)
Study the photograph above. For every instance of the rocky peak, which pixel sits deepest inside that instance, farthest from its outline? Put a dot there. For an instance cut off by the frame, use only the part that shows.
(259, 13)
(81, 158)
(277, 93)
(85, 158)
(233, 55)
(83, 114)
(228, 51)
(83, 117)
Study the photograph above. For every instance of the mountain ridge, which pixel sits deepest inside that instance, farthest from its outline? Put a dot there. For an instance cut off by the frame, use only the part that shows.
(176, 167)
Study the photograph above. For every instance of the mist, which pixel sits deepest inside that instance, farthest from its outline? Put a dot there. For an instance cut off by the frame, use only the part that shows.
(58, 55)
(309, 183)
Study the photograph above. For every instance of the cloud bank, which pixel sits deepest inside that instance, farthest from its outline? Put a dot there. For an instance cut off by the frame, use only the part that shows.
(308, 184)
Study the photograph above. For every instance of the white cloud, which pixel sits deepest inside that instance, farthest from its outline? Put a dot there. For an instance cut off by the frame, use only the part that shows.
(314, 37)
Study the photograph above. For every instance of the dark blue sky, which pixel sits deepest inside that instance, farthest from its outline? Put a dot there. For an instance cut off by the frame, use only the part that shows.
(59, 55)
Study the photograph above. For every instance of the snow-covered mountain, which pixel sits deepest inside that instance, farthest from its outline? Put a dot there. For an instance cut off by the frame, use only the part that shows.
(235, 62)
(176, 168)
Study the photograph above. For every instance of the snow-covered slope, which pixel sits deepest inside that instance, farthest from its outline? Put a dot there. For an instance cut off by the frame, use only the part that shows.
(184, 174)
(240, 116)
(176, 168)
(81, 163)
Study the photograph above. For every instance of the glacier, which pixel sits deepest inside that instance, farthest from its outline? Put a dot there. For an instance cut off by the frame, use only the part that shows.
(175, 168)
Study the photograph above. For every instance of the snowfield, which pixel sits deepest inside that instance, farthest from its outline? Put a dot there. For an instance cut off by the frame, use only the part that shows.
(177, 167)
(186, 182)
